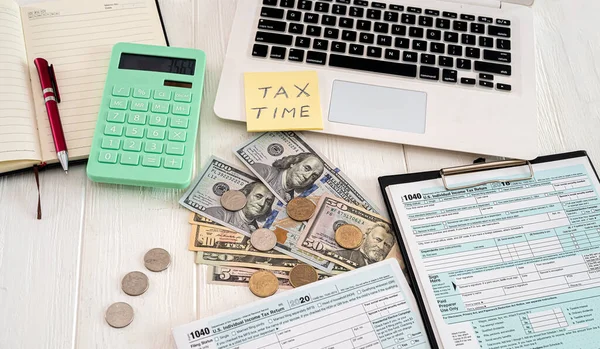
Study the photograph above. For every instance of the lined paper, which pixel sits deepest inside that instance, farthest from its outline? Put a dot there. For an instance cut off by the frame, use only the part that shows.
(77, 37)
(18, 130)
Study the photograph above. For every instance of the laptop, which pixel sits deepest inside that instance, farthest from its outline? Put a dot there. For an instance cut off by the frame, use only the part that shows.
(447, 74)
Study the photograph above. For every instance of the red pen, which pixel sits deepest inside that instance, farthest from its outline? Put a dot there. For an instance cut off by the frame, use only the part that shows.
(51, 100)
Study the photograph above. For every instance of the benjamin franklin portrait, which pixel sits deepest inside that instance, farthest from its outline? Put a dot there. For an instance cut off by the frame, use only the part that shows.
(291, 174)
(379, 240)
(257, 209)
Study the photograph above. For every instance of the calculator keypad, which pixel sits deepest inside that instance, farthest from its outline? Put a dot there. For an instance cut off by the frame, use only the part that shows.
(146, 127)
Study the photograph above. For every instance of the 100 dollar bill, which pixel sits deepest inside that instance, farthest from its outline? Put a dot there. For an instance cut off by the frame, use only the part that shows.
(204, 198)
(318, 237)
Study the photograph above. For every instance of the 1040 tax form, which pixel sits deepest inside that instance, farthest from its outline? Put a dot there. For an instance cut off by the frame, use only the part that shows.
(368, 308)
(508, 264)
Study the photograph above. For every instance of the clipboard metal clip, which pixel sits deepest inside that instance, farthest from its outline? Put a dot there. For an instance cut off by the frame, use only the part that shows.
(450, 171)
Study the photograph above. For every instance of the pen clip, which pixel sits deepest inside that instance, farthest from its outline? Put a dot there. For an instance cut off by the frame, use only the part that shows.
(53, 82)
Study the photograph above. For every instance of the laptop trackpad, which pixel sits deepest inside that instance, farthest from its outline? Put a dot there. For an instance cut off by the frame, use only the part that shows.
(378, 107)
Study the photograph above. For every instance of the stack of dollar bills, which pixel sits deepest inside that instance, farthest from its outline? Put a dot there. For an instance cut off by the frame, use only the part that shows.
(281, 166)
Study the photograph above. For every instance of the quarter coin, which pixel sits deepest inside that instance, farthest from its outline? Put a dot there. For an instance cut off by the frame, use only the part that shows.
(303, 274)
(157, 259)
(349, 236)
(263, 283)
(263, 239)
(300, 209)
(135, 283)
(119, 315)
(233, 200)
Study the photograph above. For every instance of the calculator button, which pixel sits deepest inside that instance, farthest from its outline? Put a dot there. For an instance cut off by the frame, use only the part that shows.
(113, 130)
(158, 120)
(139, 105)
(162, 95)
(175, 149)
(120, 91)
(153, 147)
(156, 133)
(177, 136)
(179, 122)
(116, 116)
(132, 145)
(151, 161)
(130, 159)
(137, 118)
(141, 92)
(134, 131)
(111, 143)
(181, 109)
(173, 162)
(118, 103)
(109, 157)
(183, 97)
(160, 107)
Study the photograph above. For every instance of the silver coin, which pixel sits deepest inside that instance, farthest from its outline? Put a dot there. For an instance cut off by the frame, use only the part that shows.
(233, 200)
(119, 315)
(263, 239)
(157, 259)
(135, 283)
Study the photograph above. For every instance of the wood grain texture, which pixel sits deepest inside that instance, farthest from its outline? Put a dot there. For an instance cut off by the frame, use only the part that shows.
(58, 275)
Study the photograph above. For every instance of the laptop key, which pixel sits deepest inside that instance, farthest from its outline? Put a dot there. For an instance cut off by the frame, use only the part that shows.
(384, 40)
(339, 10)
(497, 56)
(346, 23)
(356, 49)
(415, 32)
(337, 46)
(322, 7)
(366, 38)
(390, 16)
(414, 9)
(449, 14)
(320, 44)
(314, 57)
(374, 51)
(357, 11)
(467, 81)
(499, 31)
(374, 14)
(302, 42)
(442, 23)
(305, 5)
(484, 76)
(486, 42)
(293, 15)
(484, 83)
(287, 3)
(273, 38)
(278, 52)
(503, 44)
(378, 4)
(398, 29)
(455, 50)
(390, 53)
(468, 39)
(429, 73)
(259, 50)
(270, 2)
(419, 45)
(361, 3)
(503, 87)
(296, 55)
(433, 34)
(437, 47)
(473, 52)
(467, 17)
(432, 12)
(426, 21)
(272, 12)
(267, 24)
(296, 28)
(328, 20)
(460, 26)
(313, 30)
(408, 18)
(446, 61)
(463, 64)
(401, 42)
(493, 68)
(450, 37)
(477, 28)
(311, 17)
(381, 27)
(396, 7)
(427, 59)
(408, 56)
(485, 19)
(363, 25)
(502, 21)
(449, 75)
(373, 65)
(331, 33)
(348, 35)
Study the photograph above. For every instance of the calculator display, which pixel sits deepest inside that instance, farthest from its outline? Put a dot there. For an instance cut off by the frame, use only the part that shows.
(157, 64)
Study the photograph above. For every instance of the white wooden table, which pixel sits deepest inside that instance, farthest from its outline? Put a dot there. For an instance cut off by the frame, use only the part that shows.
(58, 275)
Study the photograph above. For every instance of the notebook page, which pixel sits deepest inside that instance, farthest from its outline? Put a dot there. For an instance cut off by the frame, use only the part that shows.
(18, 130)
(77, 37)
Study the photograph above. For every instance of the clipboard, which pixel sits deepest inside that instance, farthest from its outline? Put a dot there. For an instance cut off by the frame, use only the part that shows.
(443, 174)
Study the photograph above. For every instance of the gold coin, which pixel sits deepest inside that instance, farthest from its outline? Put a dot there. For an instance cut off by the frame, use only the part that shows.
(349, 236)
(263, 283)
(303, 274)
(300, 209)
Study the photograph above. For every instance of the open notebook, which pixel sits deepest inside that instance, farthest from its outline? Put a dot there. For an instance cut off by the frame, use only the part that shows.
(77, 37)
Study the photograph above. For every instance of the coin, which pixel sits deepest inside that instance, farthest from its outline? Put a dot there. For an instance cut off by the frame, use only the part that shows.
(135, 283)
(157, 259)
(303, 274)
(348, 236)
(119, 315)
(263, 239)
(263, 283)
(233, 200)
(300, 209)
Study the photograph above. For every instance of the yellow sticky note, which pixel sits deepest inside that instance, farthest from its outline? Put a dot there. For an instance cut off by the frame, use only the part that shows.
(282, 101)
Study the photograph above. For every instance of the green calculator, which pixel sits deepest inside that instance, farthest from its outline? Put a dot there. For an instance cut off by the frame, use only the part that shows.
(148, 121)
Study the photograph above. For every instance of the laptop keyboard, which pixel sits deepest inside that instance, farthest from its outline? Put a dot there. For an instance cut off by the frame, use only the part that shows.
(414, 42)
